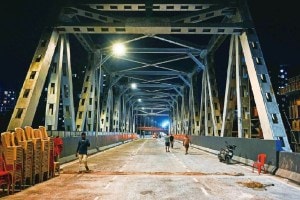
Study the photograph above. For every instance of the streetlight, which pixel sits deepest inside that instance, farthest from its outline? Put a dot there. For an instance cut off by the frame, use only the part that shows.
(118, 49)
(133, 85)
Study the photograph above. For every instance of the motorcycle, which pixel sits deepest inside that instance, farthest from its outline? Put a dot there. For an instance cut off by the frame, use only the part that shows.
(226, 154)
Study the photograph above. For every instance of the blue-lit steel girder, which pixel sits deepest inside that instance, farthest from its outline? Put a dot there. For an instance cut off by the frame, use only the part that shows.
(142, 23)
(201, 66)
(185, 81)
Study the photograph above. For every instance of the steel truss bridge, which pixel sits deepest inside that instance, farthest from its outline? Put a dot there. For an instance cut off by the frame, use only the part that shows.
(172, 55)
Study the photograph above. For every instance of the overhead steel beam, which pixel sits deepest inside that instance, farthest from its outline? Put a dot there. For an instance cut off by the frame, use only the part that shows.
(89, 13)
(152, 73)
(202, 15)
(178, 92)
(130, 6)
(150, 108)
(114, 81)
(153, 114)
(152, 26)
(160, 50)
(85, 42)
(158, 96)
(179, 42)
(154, 100)
(161, 85)
(154, 105)
(216, 40)
(185, 81)
(200, 64)
(165, 96)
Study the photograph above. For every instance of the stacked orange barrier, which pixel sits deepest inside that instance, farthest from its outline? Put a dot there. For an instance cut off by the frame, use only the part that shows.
(44, 154)
(179, 136)
(37, 153)
(27, 145)
(50, 140)
(14, 159)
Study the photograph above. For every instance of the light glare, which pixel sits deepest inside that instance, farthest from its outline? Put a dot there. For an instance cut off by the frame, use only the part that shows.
(133, 85)
(165, 124)
(118, 49)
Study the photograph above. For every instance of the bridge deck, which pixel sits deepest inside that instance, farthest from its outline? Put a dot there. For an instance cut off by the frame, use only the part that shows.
(143, 170)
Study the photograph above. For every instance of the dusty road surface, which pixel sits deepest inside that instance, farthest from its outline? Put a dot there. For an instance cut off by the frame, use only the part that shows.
(142, 169)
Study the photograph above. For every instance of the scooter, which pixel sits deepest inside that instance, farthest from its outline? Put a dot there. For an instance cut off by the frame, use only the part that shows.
(225, 155)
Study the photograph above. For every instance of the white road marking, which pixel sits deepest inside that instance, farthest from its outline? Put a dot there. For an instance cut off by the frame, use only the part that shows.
(132, 156)
(114, 178)
(107, 186)
(195, 180)
(204, 191)
(96, 198)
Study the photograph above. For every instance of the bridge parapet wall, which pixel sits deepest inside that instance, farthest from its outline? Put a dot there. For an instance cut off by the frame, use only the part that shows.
(246, 150)
(99, 142)
(284, 164)
(289, 166)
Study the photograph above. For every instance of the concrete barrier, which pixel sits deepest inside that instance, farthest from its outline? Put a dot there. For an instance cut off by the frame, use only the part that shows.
(289, 166)
(281, 163)
(98, 143)
(246, 151)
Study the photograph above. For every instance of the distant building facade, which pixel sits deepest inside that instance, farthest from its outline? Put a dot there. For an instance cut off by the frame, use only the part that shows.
(8, 99)
(282, 82)
(292, 94)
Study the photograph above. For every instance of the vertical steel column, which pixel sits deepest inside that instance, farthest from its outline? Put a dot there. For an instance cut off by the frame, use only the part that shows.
(173, 121)
(67, 88)
(230, 93)
(127, 121)
(207, 111)
(123, 118)
(90, 117)
(106, 110)
(132, 117)
(87, 88)
(267, 107)
(191, 108)
(178, 118)
(242, 93)
(116, 113)
(196, 113)
(183, 112)
(32, 88)
(264, 97)
(238, 89)
(202, 105)
(213, 97)
(53, 92)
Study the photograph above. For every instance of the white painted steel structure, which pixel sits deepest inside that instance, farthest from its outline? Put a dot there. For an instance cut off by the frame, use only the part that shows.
(171, 47)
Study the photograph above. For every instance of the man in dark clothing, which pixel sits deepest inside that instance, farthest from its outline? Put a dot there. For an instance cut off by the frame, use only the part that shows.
(172, 140)
(81, 151)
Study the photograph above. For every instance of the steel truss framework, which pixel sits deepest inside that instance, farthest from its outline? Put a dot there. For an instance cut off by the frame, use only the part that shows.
(171, 54)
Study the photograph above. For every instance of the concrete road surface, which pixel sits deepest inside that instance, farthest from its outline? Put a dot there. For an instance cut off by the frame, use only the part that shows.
(142, 169)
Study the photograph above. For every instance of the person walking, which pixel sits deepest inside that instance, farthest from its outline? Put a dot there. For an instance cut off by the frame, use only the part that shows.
(167, 143)
(81, 151)
(186, 143)
(172, 140)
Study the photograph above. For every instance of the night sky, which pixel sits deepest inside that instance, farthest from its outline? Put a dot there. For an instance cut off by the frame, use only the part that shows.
(277, 26)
